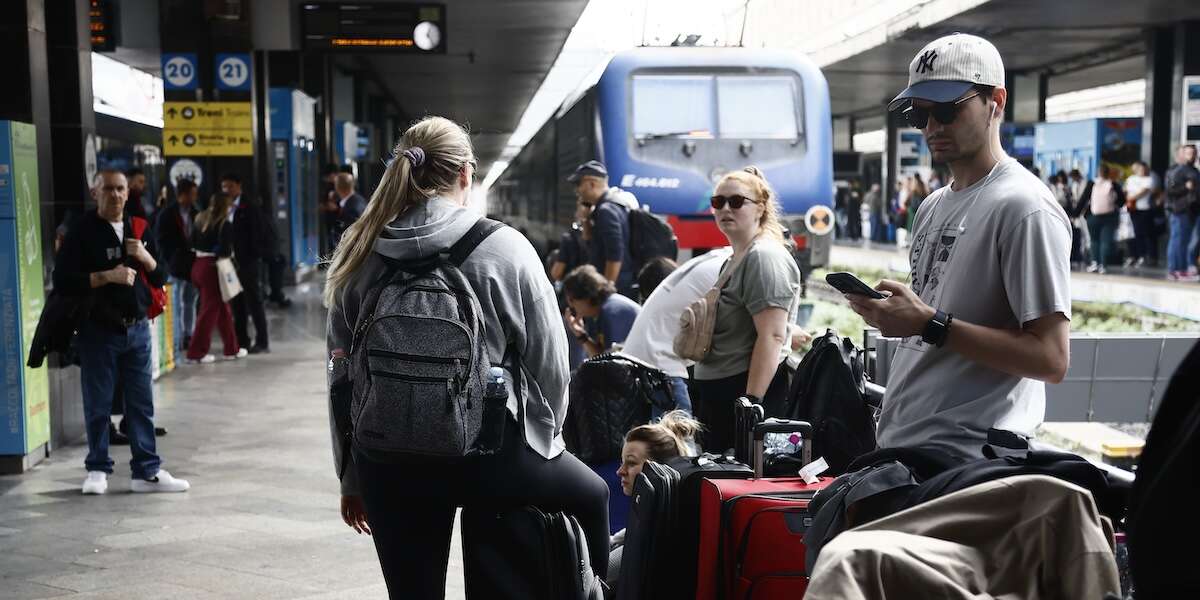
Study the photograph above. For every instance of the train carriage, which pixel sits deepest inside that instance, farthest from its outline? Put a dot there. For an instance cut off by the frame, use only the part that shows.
(668, 122)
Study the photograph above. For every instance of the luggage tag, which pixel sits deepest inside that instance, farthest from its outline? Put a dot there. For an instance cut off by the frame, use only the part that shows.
(811, 470)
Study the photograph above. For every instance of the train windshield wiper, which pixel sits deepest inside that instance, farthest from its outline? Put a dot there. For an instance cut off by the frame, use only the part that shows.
(668, 134)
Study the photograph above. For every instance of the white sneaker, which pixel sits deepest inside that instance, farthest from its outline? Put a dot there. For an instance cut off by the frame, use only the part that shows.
(162, 482)
(208, 359)
(96, 483)
(241, 353)
(1093, 267)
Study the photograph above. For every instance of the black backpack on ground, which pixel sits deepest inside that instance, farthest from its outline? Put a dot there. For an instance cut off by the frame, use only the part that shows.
(828, 390)
(1162, 520)
(610, 394)
(526, 554)
(650, 236)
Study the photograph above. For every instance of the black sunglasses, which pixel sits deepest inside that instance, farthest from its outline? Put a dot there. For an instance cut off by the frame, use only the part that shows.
(944, 112)
(735, 201)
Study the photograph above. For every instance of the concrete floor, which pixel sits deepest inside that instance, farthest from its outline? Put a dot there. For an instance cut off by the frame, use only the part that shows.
(261, 519)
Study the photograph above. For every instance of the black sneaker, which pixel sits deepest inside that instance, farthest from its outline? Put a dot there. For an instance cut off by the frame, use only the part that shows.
(260, 350)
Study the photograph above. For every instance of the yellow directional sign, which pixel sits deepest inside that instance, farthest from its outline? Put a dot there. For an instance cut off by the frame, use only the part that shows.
(198, 142)
(208, 129)
(208, 115)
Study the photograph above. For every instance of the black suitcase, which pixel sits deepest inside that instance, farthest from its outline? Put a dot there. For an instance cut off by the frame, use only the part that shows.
(692, 471)
(526, 554)
(646, 569)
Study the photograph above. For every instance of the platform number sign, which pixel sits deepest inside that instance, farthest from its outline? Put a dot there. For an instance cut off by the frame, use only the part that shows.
(179, 71)
(233, 72)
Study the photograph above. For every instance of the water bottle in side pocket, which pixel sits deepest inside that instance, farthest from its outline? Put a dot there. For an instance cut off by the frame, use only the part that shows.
(495, 405)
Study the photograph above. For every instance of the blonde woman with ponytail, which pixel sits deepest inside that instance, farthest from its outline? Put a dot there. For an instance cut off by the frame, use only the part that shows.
(418, 211)
(749, 342)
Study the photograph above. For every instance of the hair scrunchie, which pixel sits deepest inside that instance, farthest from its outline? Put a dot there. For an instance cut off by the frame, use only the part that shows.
(415, 155)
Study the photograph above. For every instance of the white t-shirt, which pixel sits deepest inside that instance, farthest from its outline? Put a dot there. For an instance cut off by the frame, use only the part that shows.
(1137, 183)
(995, 254)
(653, 334)
(119, 229)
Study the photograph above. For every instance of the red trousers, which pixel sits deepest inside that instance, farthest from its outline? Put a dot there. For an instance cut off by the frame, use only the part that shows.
(214, 311)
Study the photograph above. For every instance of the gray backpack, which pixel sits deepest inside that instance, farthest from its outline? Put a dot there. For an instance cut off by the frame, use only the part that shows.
(419, 360)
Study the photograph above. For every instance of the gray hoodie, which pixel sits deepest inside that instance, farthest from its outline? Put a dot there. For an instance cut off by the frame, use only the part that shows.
(514, 293)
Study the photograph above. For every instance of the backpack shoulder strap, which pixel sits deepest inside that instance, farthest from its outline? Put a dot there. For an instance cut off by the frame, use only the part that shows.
(471, 240)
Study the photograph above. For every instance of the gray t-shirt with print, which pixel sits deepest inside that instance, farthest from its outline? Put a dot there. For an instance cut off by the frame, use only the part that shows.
(767, 277)
(994, 254)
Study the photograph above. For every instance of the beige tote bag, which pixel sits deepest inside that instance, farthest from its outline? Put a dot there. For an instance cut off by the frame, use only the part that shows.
(698, 320)
(227, 277)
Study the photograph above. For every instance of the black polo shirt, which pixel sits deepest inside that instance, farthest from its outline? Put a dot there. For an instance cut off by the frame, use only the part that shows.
(91, 246)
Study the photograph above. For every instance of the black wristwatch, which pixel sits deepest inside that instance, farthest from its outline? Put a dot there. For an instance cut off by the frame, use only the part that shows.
(937, 329)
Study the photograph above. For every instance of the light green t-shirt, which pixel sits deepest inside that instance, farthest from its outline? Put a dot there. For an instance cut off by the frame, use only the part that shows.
(767, 278)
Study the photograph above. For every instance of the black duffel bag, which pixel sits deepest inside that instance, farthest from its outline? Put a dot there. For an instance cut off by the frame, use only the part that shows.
(610, 394)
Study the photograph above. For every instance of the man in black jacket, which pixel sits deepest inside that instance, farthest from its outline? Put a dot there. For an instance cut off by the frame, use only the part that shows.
(101, 258)
(1183, 203)
(174, 235)
(249, 241)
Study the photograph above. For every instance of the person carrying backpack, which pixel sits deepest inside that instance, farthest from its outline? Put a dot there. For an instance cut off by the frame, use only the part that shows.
(608, 248)
(405, 365)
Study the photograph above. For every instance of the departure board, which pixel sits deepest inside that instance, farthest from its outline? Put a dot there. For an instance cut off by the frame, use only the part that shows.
(101, 24)
(416, 27)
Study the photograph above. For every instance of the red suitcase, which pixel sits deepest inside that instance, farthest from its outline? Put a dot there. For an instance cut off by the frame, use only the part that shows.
(752, 530)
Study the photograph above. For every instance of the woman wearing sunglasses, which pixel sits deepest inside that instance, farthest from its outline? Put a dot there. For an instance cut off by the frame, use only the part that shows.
(755, 306)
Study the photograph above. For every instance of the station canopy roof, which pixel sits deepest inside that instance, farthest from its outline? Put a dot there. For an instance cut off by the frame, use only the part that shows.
(1080, 44)
(498, 54)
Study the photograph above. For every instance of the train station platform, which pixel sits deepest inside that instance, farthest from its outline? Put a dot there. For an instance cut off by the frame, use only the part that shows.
(261, 520)
(1147, 288)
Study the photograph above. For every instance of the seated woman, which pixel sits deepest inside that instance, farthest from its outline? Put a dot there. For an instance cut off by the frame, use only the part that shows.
(596, 314)
(660, 441)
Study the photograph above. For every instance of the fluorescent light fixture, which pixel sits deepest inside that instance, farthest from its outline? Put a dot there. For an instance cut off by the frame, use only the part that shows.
(127, 93)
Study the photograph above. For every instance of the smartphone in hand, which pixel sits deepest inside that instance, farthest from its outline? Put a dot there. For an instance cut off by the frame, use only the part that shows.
(847, 283)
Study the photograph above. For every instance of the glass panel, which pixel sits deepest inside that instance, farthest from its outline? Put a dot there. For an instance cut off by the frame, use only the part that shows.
(672, 106)
(761, 107)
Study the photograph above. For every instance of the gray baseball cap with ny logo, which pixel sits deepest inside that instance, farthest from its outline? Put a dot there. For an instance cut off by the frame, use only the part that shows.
(949, 66)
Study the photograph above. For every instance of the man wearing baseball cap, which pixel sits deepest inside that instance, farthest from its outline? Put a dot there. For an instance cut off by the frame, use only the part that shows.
(987, 317)
(609, 208)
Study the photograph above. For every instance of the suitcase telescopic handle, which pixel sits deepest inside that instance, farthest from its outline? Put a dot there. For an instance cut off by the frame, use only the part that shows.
(781, 426)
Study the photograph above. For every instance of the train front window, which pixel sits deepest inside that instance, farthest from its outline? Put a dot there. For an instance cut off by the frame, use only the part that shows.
(708, 106)
(757, 107)
(673, 106)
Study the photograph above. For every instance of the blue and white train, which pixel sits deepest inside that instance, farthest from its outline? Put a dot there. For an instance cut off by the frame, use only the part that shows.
(668, 122)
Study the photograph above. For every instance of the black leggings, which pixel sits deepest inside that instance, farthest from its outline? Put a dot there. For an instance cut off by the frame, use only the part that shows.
(712, 404)
(410, 507)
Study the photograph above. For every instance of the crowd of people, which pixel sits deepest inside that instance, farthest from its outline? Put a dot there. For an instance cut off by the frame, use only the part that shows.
(989, 312)
(985, 319)
(1117, 218)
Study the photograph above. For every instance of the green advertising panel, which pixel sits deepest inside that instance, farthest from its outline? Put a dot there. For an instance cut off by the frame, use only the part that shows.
(27, 391)
(29, 272)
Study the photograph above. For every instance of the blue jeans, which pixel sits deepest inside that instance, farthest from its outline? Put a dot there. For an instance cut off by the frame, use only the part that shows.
(1177, 244)
(106, 355)
(1103, 230)
(1193, 245)
(183, 307)
(679, 398)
